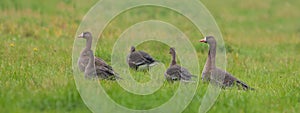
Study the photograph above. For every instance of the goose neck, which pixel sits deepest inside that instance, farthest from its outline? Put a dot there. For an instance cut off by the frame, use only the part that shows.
(212, 54)
(89, 43)
(173, 59)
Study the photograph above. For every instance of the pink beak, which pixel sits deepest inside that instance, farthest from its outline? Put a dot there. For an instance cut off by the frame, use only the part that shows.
(202, 40)
(80, 36)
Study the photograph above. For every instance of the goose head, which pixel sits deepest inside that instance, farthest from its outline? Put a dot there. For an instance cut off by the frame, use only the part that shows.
(85, 35)
(208, 39)
(132, 49)
(172, 51)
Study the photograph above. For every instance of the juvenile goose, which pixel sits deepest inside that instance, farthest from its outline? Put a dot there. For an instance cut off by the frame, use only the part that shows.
(210, 67)
(176, 72)
(138, 59)
(102, 68)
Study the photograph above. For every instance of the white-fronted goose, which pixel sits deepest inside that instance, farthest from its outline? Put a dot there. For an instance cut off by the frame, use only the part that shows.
(210, 67)
(138, 59)
(102, 68)
(176, 72)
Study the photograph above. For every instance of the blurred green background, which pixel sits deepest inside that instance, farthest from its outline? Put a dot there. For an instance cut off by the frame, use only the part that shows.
(36, 39)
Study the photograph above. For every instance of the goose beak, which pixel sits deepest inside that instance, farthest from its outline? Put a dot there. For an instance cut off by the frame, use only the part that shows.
(202, 40)
(80, 36)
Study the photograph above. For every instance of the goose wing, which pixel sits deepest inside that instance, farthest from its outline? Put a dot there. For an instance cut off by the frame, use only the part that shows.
(136, 59)
(185, 74)
(176, 72)
(104, 70)
(100, 62)
(140, 58)
(220, 74)
(147, 58)
(230, 80)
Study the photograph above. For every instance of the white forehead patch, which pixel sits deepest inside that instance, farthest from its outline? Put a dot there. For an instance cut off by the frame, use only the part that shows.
(81, 35)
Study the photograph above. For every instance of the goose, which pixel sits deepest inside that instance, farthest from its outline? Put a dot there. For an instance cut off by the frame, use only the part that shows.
(138, 59)
(229, 80)
(176, 72)
(102, 68)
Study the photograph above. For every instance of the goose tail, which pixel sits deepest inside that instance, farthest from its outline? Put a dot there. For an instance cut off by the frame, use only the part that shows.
(244, 85)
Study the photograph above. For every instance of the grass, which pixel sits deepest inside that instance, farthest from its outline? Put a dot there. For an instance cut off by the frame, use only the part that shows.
(36, 38)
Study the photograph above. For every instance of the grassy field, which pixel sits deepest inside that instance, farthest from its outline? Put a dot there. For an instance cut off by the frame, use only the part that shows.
(36, 39)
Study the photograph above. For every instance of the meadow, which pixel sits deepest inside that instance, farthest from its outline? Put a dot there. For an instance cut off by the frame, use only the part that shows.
(262, 40)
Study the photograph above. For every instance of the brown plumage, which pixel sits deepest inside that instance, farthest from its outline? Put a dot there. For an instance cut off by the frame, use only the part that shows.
(138, 59)
(103, 70)
(176, 72)
(210, 68)
(90, 71)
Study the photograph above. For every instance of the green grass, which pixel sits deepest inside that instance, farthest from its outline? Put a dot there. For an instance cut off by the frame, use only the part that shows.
(36, 39)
